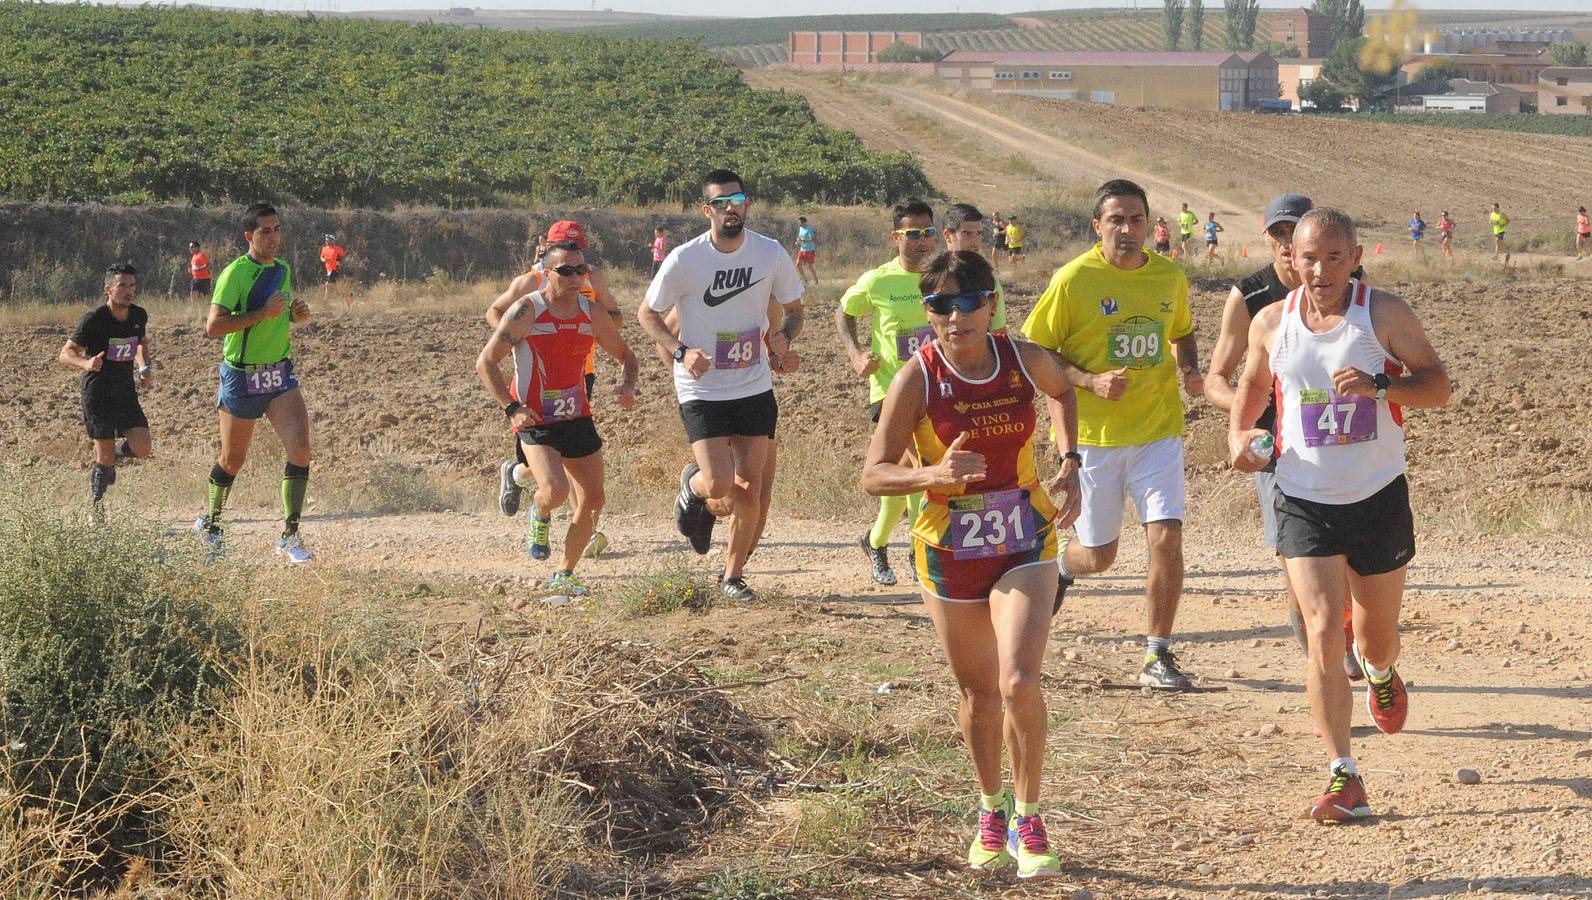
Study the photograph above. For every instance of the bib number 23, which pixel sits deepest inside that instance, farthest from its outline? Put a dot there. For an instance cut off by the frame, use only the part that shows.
(998, 523)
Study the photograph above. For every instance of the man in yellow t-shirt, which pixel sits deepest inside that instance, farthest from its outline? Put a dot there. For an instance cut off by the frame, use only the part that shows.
(1122, 314)
(1500, 226)
(1014, 239)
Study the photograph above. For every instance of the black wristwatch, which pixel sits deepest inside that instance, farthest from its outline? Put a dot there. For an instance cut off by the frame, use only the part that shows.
(1073, 455)
(512, 408)
(679, 353)
(1381, 382)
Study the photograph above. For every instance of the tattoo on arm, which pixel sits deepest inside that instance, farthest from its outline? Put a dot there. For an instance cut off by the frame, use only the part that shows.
(793, 324)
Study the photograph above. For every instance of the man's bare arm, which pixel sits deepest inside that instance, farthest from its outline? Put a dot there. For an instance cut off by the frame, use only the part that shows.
(1230, 346)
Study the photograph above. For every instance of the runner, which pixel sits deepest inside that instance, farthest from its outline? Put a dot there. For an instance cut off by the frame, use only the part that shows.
(198, 272)
(1445, 228)
(332, 257)
(1163, 237)
(998, 226)
(1583, 233)
(1112, 312)
(806, 250)
(1186, 220)
(594, 287)
(1336, 354)
(899, 326)
(1014, 239)
(660, 249)
(110, 346)
(1259, 290)
(985, 537)
(1417, 228)
(721, 282)
(1211, 228)
(1500, 227)
(550, 333)
(253, 310)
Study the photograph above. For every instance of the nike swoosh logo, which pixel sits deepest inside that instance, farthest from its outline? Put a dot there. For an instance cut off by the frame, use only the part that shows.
(711, 300)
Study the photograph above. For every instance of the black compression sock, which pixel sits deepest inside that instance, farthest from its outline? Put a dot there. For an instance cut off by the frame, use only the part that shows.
(100, 480)
(295, 482)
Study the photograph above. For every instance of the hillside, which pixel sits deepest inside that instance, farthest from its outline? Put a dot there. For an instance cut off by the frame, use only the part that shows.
(149, 104)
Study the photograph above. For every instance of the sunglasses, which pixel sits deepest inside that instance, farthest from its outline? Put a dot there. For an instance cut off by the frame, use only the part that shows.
(725, 201)
(567, 270)
(965, 302)
(913, 234)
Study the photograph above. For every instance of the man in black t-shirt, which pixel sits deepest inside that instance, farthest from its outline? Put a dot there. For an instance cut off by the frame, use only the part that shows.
(1255, 292)
(111, 348)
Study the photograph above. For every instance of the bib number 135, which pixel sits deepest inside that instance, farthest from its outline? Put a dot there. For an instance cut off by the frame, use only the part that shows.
(993, 524)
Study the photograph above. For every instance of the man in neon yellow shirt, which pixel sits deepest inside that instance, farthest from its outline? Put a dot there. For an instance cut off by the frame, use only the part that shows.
(1500, 225)
(899, 327)
(1113, 312)
(1014, 239)
(1186, 220)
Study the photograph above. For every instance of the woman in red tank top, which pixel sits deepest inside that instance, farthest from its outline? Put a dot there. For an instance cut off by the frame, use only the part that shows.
(984, 543)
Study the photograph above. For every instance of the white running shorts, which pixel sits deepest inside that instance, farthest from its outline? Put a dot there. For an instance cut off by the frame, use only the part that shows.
(1151, 475)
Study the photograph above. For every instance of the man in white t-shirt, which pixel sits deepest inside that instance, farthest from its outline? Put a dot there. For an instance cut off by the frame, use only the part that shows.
(719, 286)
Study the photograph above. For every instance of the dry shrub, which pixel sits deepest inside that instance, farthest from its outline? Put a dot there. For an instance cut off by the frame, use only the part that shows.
(467, 767)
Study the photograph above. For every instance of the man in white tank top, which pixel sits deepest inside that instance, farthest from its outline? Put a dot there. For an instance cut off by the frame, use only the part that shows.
(1345, 361)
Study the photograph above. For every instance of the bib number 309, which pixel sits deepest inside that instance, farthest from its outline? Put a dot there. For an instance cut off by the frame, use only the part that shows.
(266, 379)
(737, 349)
(1135, 344)
(998, 523)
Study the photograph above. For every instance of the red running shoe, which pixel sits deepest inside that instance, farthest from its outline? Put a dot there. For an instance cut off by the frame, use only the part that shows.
(1344, 800)
(1387, 702)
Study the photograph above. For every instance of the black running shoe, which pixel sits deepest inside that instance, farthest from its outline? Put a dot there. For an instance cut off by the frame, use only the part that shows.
(736, 589)
(1062, 584)
(880, 558)
(1163, 672)
(690, 510)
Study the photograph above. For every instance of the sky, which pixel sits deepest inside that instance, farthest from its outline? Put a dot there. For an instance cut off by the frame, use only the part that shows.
(816, 7)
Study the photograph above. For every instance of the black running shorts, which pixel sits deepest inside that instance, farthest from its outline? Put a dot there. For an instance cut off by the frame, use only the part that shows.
(1377, 534)
(574, 439)
(108, 415)
(753, 416)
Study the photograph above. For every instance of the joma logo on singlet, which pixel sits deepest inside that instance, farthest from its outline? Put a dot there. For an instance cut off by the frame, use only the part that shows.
(727, 283)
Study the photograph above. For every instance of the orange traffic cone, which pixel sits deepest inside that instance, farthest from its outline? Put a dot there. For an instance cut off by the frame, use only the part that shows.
(1246, 251)
(1378, 248)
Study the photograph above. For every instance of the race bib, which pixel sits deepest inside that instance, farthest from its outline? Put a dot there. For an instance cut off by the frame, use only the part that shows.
(738, 349)
(998, 523)
(1329, 419)
(910, 342)
(1136, 343)
(565, 404)
(269, 379)
(121, 349)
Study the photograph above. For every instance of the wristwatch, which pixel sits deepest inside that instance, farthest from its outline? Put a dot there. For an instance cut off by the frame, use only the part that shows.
(679, 353)
(1073, 455)
(512, 408)
(1382, 383)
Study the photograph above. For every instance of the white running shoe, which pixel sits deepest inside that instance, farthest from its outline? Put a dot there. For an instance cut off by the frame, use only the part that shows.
(293, 548)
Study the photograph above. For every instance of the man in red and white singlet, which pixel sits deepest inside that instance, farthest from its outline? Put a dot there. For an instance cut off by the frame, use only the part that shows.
(551, 334)
(1343, 361)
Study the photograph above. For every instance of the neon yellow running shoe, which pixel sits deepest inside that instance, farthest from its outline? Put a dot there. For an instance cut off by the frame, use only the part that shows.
(1027, 841)
(595, 546)
(536, 537)
(988, 850)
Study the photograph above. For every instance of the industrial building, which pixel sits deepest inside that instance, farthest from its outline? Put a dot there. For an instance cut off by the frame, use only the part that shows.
(1305, 30)
(1565, 90)
(844, 47)
(1454, 95)
(1205, 81)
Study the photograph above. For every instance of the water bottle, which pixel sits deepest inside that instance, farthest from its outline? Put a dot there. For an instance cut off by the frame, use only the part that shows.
(1260, 446)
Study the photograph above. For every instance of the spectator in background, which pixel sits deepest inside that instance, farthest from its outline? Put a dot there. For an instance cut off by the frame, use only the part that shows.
(332, 257)
(660, 250)
(198, 272)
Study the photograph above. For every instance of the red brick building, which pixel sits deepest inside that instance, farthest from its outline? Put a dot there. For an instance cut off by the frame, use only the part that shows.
(1308, 31)
(844, 46)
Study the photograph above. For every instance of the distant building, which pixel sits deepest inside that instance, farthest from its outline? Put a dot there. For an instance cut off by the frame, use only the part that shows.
(1565, 90)
(1515, 64)
(1306, 30)
(1209, 81)
(1294, 75)
(1454, 95)
(844, 46)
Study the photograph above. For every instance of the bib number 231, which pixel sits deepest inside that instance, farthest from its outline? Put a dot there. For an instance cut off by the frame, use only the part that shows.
(737, 349)
(998, 523)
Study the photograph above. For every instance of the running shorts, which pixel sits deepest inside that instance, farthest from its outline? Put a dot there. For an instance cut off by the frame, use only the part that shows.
(108, 415)
(754, 416)
(971, 580)
(234, 395)
(1266, 491)
(199, 286)
(875, 409)
(806, 256)
(1151, 475)
(1377, 534)
(1163, 247)
(574, 439)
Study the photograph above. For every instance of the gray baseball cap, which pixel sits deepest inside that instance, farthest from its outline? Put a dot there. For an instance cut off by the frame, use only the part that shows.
(1286, 208)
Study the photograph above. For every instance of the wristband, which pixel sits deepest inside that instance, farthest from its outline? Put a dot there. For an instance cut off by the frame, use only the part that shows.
(512, 408)
(143, 369)
(1073, 455)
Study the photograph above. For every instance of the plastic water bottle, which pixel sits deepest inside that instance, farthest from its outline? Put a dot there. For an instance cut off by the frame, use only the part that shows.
(1260, 446)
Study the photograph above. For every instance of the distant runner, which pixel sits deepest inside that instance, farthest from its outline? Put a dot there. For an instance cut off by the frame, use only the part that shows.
(1186, 220)
(1014, 239)
(985, 538)
(998, 237)
(1211, 230)
(1163, 237)
(198, 272)
(253, 311)
(1417, 228)
(1122, 314)
(1344, 361)
(660, 249)
(332, 257)
(1500, 228)
(110, 346)
(721, 283)
(1445, 230)
(806, 250)
(550, 333)
(1583, 233)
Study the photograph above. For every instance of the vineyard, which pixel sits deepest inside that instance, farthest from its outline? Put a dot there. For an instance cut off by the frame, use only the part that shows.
(1532, 123)
(1079, 30)
(136, 105)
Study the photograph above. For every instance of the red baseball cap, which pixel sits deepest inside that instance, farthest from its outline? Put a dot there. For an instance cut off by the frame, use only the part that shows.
(567, 230)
